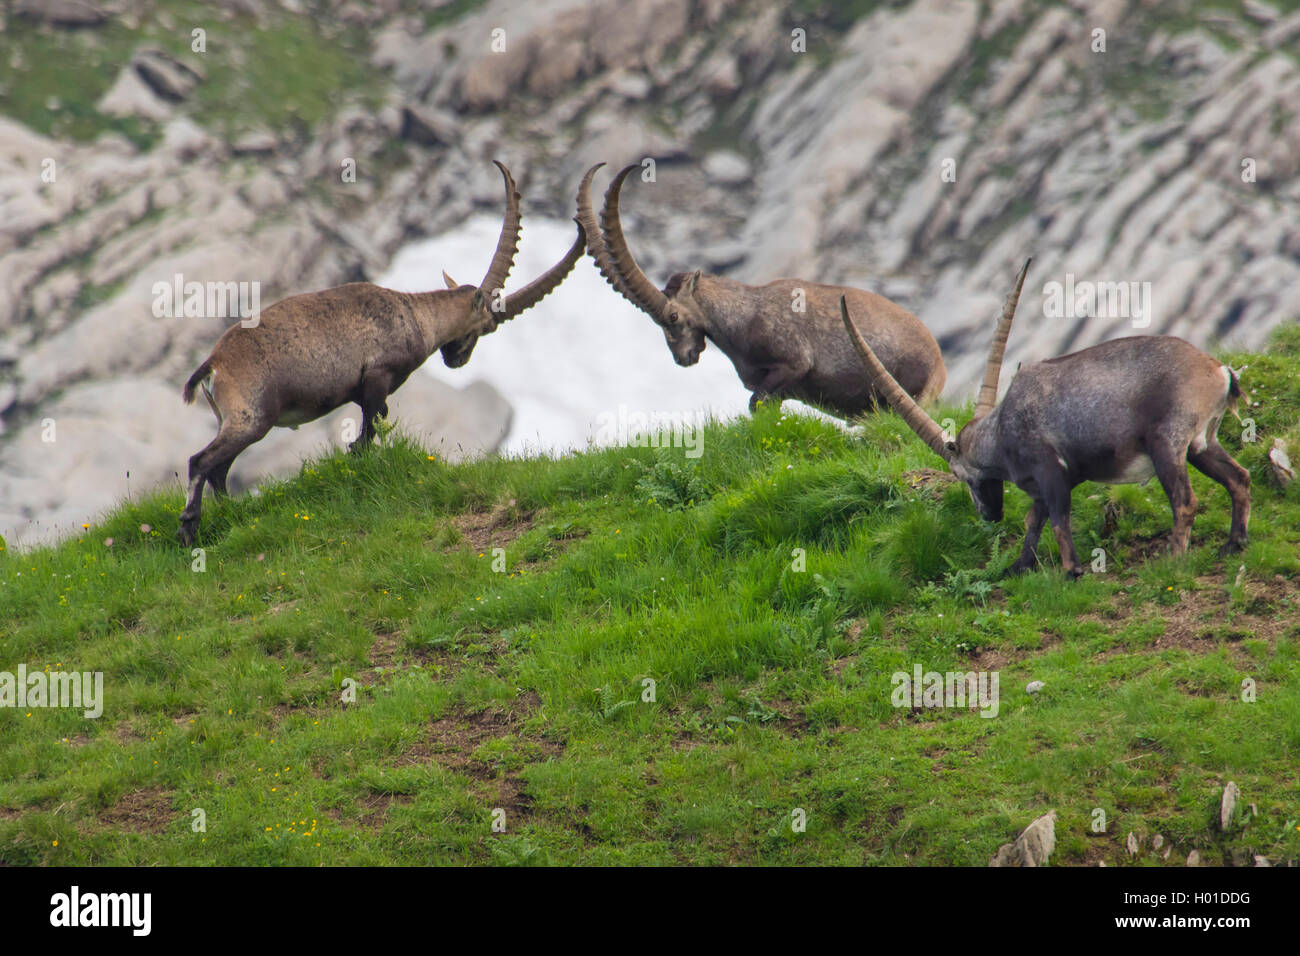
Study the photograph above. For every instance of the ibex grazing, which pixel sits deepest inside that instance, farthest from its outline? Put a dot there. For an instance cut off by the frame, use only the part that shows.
(1116, 413)
(311, 353)
(783, 338)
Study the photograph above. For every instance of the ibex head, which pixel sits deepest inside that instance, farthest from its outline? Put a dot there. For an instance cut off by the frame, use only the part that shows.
(985, 490)
(675, 309)
(456, 352)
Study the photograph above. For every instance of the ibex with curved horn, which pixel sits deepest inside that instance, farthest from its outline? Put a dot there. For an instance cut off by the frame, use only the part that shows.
(778, 349)
(1115, 413)
(311, 353)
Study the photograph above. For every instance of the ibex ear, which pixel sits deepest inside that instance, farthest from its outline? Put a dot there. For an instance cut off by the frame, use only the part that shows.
(478, 301)
(451, 283)
(952, 447)
(689, 285)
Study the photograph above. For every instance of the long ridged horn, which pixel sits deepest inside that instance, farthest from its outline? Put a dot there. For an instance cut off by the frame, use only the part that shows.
(541, 287)
(988, 396)
(636, 287)
(596, 247)
(898, 399)
(508, 243)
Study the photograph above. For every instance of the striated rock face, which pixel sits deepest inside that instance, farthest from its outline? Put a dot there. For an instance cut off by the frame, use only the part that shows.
(921, 150)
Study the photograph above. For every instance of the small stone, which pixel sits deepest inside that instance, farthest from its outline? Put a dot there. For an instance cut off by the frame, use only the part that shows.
(1157, 842)
(1228, 806)
(1132, 844)
(1034, 686)
(1032, 847)
(1283, 470)
(1193, 859)
(1261, 861)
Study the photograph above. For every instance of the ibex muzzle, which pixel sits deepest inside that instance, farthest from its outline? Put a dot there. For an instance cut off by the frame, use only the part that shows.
(784, 338)
(311, 353)
(1115, 413)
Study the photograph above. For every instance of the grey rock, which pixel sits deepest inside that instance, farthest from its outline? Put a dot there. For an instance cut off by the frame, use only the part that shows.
(130, 95)
(428, 127)
(1228, 805)
(1034, 686)
(1033, 847)
(631, 85)
(254, 142)
(727, 168)
(168, 77)
(186, 138)
(62, 13)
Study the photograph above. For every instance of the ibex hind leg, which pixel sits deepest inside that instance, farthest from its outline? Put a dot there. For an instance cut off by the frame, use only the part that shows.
(373, 399)
(1171, 470)
(217, 477)
(1217, 464)
(211, 465)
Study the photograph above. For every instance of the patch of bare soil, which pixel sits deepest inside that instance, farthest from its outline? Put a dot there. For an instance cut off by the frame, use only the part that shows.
(493, 529)
(375, 808)
(929, 481)
(453, 739)
(125, 735)
(1207, 615)
(143, 811)
(388, 652)
(997, 658)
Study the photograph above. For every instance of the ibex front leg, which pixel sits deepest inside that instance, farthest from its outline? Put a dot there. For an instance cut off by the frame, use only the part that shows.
(1034, 522)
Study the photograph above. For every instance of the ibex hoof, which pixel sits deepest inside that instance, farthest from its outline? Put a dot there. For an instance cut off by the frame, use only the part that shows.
(1017, 569)
(1233, 547)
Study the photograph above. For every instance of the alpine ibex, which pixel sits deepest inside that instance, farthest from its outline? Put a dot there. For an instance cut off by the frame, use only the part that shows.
(311, 353)
(783, 338)
(1116, 413)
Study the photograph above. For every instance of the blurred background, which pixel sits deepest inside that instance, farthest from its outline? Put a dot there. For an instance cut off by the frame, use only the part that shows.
(1113, 140)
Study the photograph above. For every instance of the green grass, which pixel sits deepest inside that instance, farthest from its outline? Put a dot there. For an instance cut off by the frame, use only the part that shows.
(769, 591)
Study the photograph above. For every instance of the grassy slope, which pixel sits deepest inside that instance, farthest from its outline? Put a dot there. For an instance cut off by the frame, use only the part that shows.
(522, 690)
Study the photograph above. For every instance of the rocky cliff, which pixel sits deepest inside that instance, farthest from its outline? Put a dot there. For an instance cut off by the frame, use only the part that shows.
(919, 148)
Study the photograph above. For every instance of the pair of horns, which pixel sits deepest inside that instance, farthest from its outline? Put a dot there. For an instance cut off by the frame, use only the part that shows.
(504, 257)
(921, 423)
(608, 246)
